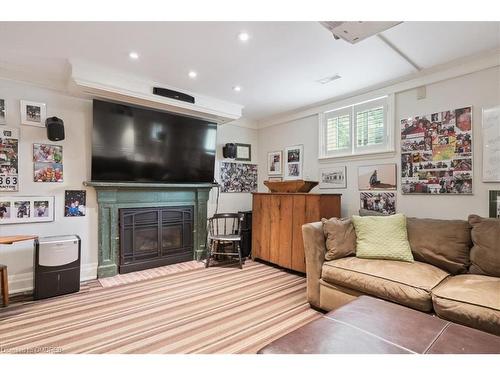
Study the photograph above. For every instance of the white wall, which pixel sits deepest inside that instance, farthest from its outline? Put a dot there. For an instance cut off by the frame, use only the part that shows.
(234, 132)
(480, 89)
(77, 116)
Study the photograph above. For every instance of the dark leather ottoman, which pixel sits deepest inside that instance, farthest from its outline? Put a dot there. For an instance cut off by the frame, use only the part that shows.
(373, 326)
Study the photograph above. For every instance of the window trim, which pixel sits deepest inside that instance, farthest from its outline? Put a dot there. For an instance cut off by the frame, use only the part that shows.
(387, 149)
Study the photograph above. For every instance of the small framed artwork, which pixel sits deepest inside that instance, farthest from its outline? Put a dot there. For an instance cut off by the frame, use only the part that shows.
(274, 163)
(377, 177)
(495, 204)
(2, 112)
(47, 153)
(383, 203)
(18, 210)
(74, 203)
(333, 178)
(243, 152)
(33, 113)
(294, 156)
(48, 172)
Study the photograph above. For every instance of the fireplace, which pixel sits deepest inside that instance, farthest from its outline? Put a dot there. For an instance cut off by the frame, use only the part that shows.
(171, 246)
(154, 237)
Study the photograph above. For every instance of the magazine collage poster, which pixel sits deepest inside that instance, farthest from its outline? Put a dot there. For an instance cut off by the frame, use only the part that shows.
(9, 159)
(436, 153)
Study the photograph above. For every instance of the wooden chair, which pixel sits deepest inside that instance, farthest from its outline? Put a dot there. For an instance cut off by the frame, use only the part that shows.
(5, 285)
(224, 230)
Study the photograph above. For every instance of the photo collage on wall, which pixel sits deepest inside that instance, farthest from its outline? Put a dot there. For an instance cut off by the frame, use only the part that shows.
(238, 177)
(9, 159)
(48, 165)
(436, 153)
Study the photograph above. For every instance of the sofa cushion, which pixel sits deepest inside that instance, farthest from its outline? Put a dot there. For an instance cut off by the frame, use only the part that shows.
(382, 237)
(472, 300)
(405, 283)
(485, 254)
(443, 243)
(340, 238)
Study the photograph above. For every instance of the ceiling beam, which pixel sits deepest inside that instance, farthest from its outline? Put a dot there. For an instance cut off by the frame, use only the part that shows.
(399, 52)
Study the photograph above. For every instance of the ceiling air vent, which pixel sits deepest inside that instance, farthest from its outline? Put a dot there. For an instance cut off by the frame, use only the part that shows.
(356, 31)
(329, 79)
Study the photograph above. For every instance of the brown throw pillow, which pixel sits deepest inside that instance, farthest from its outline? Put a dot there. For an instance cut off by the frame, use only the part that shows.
(340, 238)
(443, 243)
(485, 254)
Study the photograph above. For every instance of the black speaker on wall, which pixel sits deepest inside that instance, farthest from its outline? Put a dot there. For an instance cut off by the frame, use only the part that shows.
(55, 128)
(229, 151)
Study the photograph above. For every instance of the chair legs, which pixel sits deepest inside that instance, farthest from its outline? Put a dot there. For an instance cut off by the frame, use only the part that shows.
(209, 253)
(215, 247)
(5, 287)
(239, 255)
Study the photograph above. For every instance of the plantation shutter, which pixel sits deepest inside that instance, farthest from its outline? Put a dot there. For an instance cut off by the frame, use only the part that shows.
(337, 131)
(370, 125)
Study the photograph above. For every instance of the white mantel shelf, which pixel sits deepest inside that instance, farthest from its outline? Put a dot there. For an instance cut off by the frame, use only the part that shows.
(146, 185)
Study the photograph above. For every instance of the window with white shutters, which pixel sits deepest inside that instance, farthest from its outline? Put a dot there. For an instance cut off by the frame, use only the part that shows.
(357, 129)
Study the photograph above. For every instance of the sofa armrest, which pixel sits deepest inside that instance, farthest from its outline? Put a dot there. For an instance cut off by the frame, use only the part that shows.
(314, 249)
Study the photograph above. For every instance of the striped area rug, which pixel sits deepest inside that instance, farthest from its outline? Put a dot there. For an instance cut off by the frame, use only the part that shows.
(150, 273)
(214, 310)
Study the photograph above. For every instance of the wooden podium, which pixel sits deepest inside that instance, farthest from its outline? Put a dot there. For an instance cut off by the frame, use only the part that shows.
(277, 225)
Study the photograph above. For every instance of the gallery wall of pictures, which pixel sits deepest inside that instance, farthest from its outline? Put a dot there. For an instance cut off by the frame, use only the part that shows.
(436, 153)
(47, 162)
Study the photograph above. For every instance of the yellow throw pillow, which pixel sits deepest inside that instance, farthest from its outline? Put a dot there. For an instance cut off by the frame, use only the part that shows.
(382, 237)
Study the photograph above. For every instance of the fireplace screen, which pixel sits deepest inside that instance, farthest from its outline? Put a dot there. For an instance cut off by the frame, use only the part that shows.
(155, 236)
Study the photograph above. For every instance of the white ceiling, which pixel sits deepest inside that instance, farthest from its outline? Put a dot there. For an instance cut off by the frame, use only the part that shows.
(277, 68)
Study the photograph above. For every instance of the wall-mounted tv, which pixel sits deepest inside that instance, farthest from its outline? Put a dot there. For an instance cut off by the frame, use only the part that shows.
(136, 144)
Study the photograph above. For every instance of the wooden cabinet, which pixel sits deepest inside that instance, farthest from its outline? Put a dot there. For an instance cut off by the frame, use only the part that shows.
(277, 225)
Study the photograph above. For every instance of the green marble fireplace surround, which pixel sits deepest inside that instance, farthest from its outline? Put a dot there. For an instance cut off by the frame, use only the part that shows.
(113, 196)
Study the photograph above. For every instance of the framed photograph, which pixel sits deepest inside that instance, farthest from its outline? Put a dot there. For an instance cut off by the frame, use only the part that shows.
(384, 203)
(294, 156)
(47, 153)
(238, 177)
(274, 163)
(491, 144)
(74, 203)
(436, 153)
(3, 120)
(48, 172)
(18, 210)
(271, 178)
(495, 204)
(333, 178)
(377, 177)
(33, 113)
(243, 152)
(9, 159)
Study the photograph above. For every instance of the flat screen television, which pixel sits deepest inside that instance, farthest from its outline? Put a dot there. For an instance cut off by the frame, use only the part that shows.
(135, 144)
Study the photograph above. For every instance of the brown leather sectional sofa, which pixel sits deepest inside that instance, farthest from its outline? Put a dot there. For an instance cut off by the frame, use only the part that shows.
(456, 273)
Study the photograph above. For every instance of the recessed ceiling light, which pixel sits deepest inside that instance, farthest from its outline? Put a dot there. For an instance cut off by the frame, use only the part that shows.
(133, 55)
(237, 88)
(192, 74)
(243, 36)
